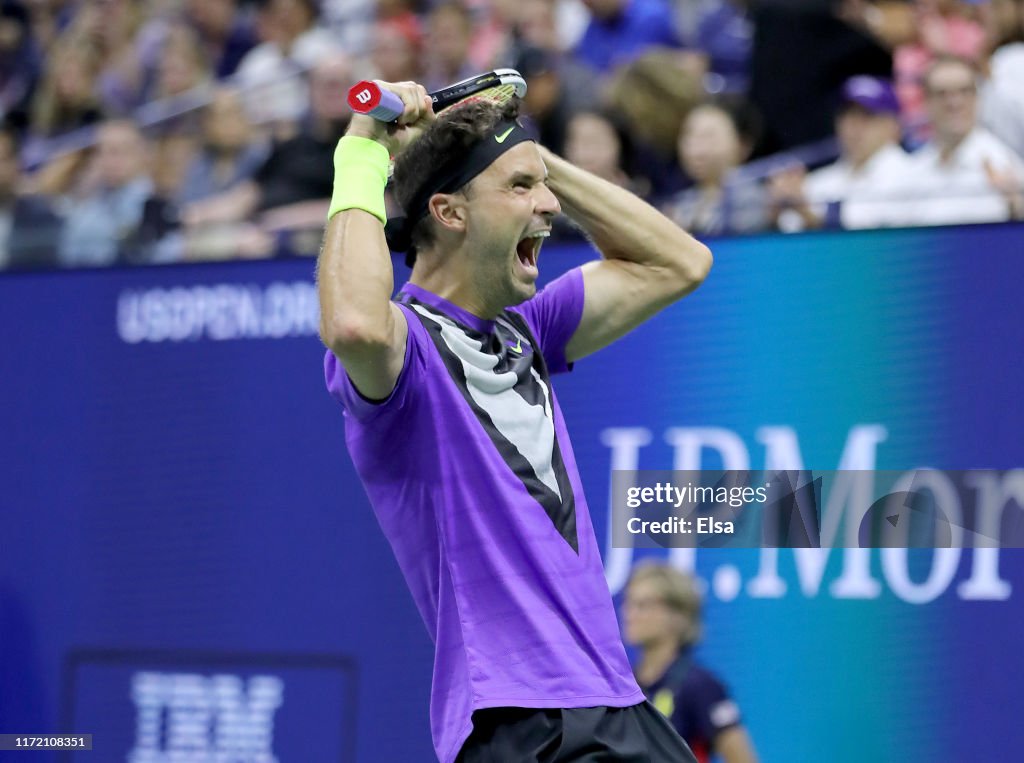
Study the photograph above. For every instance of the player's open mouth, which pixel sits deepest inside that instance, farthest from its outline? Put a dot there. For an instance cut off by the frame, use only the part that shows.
(528, 248)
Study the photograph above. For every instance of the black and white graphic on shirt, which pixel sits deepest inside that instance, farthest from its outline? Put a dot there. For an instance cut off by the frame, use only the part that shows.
(505, 383)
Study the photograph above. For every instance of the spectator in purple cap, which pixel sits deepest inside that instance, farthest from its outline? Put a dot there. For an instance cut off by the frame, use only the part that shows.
(862, 188)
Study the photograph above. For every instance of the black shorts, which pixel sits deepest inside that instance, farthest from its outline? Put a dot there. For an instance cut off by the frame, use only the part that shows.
(637, 734)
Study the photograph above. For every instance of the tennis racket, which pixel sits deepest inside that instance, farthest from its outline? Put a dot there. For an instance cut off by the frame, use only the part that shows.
(498, 86)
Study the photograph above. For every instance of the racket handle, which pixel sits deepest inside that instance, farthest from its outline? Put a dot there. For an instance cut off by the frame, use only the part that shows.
(368, 98)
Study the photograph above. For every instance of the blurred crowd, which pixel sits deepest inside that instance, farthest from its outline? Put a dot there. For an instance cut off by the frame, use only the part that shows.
(151, 131)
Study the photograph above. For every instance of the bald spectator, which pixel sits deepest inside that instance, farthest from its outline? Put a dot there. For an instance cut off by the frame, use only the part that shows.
(863, 188)
(620, 30)
(105, 213)
(964, 174)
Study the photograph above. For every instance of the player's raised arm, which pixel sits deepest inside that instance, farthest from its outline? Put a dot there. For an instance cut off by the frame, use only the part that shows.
(355, 280)
(648, 261)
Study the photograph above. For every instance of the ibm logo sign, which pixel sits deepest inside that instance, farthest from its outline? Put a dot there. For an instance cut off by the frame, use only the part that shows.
(191, 718)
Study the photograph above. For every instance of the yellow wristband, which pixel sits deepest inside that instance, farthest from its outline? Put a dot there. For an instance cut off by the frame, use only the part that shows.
(360, 175)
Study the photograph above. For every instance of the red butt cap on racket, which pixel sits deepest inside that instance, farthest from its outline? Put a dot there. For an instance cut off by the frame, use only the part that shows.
(367, 97)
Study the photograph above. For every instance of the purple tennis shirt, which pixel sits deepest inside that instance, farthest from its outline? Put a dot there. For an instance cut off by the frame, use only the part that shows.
(470, 472)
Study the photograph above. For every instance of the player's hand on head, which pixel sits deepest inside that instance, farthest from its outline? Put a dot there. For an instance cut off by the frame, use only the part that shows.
(397, 135)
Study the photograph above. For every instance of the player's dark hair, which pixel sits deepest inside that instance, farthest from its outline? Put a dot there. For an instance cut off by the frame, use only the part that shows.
(441, 146)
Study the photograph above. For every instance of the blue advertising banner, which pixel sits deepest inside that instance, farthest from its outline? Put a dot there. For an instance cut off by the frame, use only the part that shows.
(188, 557)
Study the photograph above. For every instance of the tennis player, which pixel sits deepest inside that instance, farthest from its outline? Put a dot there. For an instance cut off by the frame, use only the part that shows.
(454, 428)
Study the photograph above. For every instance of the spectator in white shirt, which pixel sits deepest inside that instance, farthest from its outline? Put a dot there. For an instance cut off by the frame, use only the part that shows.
(964, 174)
(858, 190)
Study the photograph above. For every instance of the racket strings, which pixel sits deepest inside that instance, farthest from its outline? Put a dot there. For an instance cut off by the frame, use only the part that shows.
(499, 95)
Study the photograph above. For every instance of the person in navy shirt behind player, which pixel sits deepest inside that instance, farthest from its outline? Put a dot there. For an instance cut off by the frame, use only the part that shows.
(455, 429)
(661, 616)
